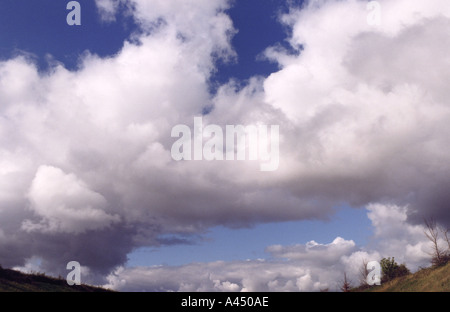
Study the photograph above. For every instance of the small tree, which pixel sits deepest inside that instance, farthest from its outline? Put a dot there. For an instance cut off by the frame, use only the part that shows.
(446, 234)
(345, 284)
(363, 273)
(390, 269)
(439, 256)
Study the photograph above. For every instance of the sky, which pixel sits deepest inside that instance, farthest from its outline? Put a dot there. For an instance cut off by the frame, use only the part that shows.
(87, 112)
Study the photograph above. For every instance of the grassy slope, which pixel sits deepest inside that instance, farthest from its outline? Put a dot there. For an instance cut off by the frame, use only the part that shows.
(426, 280)
(14, 281)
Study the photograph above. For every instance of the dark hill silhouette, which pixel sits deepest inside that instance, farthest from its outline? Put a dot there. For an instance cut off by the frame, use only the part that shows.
(15, 281)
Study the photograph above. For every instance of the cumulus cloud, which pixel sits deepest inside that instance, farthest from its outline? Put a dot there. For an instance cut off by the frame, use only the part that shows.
(66, 204)
(244, 276)
(83, 152)
(363, 113)
(396, 237)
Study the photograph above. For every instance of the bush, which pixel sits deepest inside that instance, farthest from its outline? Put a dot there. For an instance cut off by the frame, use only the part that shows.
(440, 261)
(390, 269)
(402, 270)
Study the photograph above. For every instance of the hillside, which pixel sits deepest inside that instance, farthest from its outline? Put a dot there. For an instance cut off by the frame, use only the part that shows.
(433, 279)
(14, 281)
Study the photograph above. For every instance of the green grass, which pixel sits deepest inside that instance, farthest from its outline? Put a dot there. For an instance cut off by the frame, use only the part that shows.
(432, 279)
(14, 281)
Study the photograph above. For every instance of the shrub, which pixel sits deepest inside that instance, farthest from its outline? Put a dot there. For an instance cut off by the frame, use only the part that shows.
(402, 270)
(390, 269)
(440, 261)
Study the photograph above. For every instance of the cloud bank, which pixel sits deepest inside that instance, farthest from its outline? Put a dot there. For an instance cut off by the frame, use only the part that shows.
(86, 172)
(304, 267)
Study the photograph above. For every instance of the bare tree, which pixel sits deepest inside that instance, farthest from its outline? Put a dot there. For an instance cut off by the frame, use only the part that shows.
(363, 272)
(345, 284)
(446, 234)
(432, 233)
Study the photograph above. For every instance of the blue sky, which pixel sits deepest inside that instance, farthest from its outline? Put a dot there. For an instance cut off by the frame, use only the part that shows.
(250, 243)
(258, 28)
(86, 172)
(40, 28)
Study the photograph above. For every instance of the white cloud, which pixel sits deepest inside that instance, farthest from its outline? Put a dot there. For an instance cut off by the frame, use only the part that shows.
(65, 204)
(397, 238)
(312, 251)
(309, 271)
(202, 25)
(246, 276)
(108, 9)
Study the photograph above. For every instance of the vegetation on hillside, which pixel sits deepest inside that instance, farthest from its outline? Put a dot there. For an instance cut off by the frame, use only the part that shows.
(398, 278)
(432, 279)
(15, 281)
